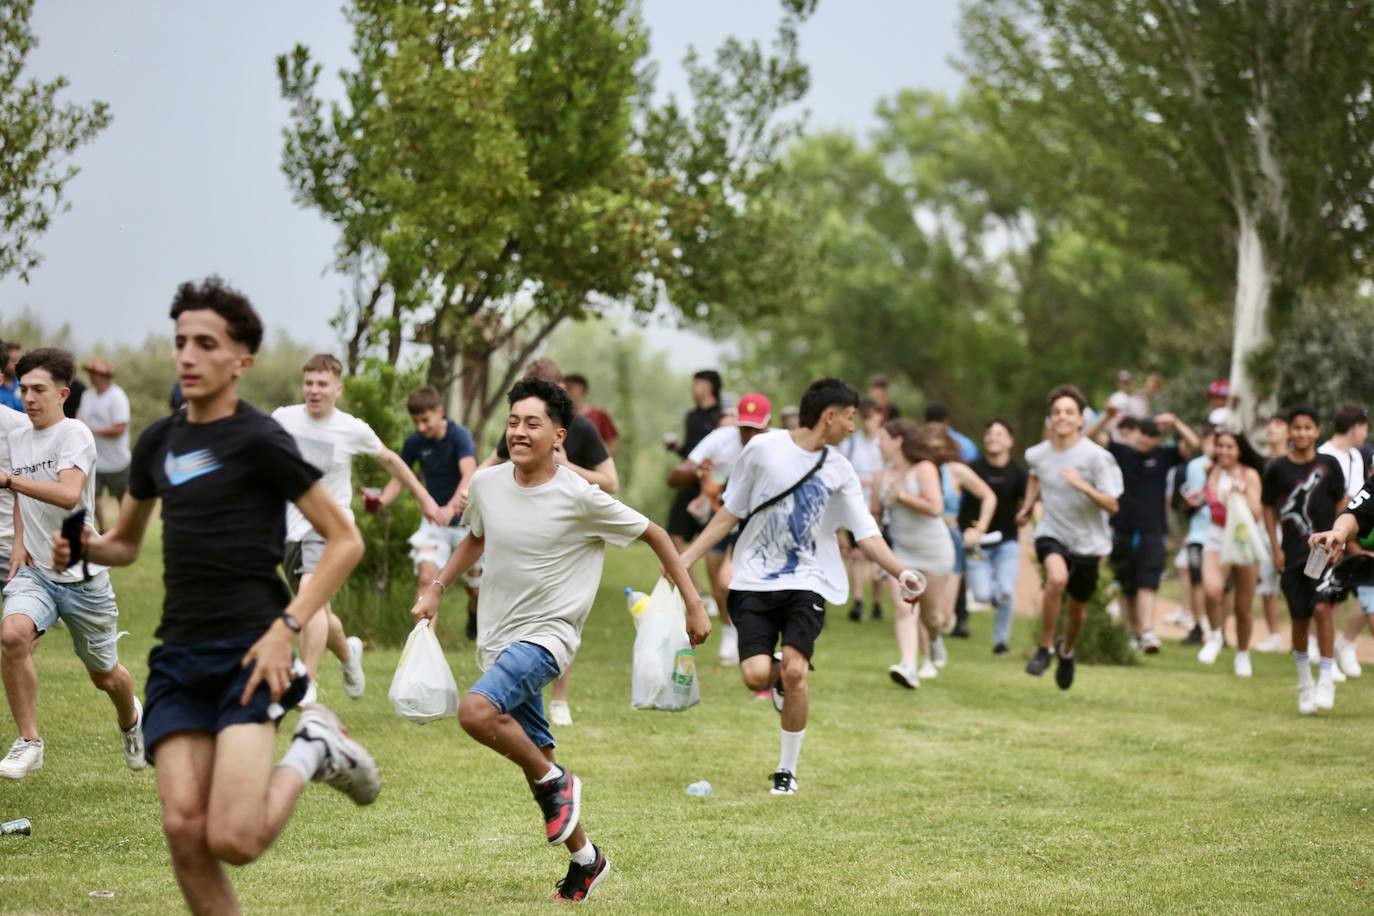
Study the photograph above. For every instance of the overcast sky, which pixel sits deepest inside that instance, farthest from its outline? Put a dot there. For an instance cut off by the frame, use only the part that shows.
(186, 180)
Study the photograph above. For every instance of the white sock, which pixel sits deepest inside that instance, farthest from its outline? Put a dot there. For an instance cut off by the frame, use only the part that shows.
(553, 773)
(791, 750)
(305, 757)
(585, 856)
(1304, 668)
(1326, 669)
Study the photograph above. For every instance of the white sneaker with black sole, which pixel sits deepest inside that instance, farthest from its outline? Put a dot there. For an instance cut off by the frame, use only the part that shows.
(905, 675)
(132, 739)
(347, 766)
(784, 783)
(24, 757)
(354, 678)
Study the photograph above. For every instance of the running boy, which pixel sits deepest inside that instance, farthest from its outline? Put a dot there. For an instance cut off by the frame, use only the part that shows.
(790, 492)
(223, 676)
(51, 472)
(1080, 483)
(328, 438)
(548, 529)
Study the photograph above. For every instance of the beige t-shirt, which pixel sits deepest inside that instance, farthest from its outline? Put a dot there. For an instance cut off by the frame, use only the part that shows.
(543, 557)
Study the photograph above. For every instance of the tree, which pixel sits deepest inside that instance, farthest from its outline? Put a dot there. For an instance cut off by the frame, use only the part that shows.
(487, 176)
(1233, 138)
(37, 135)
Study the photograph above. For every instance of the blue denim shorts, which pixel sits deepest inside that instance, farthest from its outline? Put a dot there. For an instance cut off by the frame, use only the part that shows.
(87, 608)
(515, 685)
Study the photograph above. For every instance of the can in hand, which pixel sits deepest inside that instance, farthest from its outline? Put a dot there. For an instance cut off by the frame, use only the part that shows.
(20, 827)
(372, 499)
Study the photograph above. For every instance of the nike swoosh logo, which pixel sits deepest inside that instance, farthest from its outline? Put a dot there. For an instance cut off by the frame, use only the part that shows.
(182, 468)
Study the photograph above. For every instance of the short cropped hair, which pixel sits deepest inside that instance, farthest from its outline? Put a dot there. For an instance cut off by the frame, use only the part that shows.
(556, 401)
(821, 395)
(576, 378)
(323, 362)
(1127, 424)
(1348, 417)
(60, 364)
(1303, 410)
(1067, 391)
(1002, 422)
(423, 400)
(214, 294)
(878, 381)
(710, 377)
(937, 413)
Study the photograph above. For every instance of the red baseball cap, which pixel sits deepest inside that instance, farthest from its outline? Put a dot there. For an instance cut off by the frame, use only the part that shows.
(754, 411)
(1219, 389)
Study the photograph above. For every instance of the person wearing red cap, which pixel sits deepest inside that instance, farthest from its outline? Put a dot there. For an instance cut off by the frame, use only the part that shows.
(1218, 410)
(709, 463)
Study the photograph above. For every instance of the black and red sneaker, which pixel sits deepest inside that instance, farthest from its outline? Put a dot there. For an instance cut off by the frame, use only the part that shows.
(561, 801)
(580, 880)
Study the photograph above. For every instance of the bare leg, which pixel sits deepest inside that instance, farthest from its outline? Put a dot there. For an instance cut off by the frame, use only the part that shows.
(794, 681)
(1325, 618)
(1145, 610)
(1078, 613)
(250, 800)
(338, 639)
(718, 569)
(1271, 612)
(480, 718)
(314, 635)
(1052, 599)
(1214, 586)
(20, 675)
(904, 626)
(578, 838)
(1246, 579)
(118, 685)
(185, 762)
(1129, 605)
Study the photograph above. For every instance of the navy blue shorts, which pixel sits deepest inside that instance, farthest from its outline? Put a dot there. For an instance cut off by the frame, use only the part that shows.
(515, 685)
(195, 687)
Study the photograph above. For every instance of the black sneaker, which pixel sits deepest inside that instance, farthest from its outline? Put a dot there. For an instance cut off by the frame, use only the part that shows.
(784, 783)
(472, 626)
(877, 612)
(580, 880)
(960, 631)
(1063, 672)
(1039, 662)
(1000, 649)
(856, 613)
(561, 801)
(1194, 637)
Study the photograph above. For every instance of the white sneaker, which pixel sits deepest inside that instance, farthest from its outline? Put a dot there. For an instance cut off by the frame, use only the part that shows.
(354, 678)
(1307, 699)
(1345, 657)
(312, 695)
(1326, 693)
(347, 766)
(133, 741)
(712, 609)
(1270, 643)
(1337, 674)
(1150, 642)
(1313, 652)
(560, 713)
(938, 655)
(1211, 648)
(905, 675)
(784, 783)
(927, 670)
(1134, 644)
(729, 647)
(24, 757)
(1243, 665)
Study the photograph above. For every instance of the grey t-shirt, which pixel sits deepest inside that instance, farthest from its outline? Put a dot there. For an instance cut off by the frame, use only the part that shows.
(1069, 516)
(543, 557)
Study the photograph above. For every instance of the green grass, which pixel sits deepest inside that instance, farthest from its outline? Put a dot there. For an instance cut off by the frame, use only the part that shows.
(1161, 787)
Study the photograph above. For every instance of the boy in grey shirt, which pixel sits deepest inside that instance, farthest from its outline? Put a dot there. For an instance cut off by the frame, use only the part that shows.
(1080, 483)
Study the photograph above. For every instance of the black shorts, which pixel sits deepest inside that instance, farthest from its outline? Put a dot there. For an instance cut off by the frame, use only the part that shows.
(1195, 564)
(195, 687)
(1138, 560)
(1303, 593)
(680, 521)
(1082, 570)
(761, 617)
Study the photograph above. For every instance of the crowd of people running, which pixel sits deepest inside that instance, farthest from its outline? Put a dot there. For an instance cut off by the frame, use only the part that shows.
(845, 503)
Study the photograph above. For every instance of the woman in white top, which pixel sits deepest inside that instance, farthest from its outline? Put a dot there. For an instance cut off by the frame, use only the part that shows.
(1230, 474)
(908, 491)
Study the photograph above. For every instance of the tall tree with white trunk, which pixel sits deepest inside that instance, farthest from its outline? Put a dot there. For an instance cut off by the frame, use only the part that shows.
(1235, 137)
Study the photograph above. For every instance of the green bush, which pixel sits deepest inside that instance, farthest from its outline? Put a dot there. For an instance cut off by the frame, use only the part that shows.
(1103, 640)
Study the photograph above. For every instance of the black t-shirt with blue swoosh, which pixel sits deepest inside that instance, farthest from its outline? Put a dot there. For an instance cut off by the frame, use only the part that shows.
(224, 487)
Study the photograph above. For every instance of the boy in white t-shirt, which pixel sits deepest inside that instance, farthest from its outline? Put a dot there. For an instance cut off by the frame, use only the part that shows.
(543, 532)
(10, 421)
(790, 492)
(328, 439)
(51, 471)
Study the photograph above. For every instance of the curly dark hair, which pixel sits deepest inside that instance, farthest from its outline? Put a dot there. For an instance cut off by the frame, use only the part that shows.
(214, 294)
(556, 401)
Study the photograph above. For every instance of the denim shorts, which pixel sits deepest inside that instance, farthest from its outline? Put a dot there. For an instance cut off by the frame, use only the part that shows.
(515, 685)
(87, 608)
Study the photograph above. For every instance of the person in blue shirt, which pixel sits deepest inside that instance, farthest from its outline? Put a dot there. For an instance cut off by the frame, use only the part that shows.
(447, 459)
(9, 385)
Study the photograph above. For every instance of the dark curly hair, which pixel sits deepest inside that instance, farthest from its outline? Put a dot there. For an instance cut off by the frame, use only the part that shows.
(214, 294)
(556, 401)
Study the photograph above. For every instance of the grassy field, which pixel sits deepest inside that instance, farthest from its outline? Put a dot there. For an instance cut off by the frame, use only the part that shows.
(1163, 787)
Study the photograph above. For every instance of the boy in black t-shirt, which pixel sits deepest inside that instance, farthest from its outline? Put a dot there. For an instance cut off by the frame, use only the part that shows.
(224, 674)
(1302, 492)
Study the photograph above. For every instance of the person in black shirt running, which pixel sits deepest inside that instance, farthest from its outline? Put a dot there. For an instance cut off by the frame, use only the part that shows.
(224, 674)
(995, 557)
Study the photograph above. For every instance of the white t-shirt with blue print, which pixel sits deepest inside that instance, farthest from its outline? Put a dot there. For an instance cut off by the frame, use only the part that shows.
(792, 545)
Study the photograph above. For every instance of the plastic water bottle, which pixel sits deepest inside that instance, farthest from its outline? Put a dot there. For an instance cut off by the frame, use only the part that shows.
(635, 601)
(22, 827)
(699, 789)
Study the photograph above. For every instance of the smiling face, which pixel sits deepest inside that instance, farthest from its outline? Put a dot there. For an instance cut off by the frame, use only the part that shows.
(320, 390)
(1065, 417)
(42, 397)
(208, 360)
(1226, 452)
(1303, 432)
(997, 441)
(531, 435)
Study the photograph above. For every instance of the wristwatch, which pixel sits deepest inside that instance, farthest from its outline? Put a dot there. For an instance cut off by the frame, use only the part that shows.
(292, 623)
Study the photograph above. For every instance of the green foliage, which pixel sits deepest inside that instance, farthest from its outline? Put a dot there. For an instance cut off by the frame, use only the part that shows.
(1325, 359)
(1103, 641)
(38, 135)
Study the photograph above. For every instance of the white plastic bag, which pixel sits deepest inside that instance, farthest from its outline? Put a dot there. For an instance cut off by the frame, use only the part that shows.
(664, 674)
(1241, 544)
(423, 688)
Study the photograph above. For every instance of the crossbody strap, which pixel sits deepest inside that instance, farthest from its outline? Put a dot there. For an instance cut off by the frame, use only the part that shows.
(772, 501)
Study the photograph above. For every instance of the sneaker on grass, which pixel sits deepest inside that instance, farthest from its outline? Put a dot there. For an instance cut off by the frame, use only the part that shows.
(1150, 642)
(1345, 657)
(560, 713)
(905, 675)
(580, 880)
(24, 757)
(132, 739)
(354, 679)
(1242, 666)
(784, 783)
(1325, 696)
(1211, 648)
(1063, 672)
(1271, 643)
(1039, 662)
(1307, 699)
(347, 766)
(561, 801)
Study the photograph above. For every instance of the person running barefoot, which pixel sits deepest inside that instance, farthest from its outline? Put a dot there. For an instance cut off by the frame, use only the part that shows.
(543, 531)
(1080, 483)
(1233, 474)
(790, 492)
(328, 438)
(51, 472)
(995, 557)
(1302, 493)
(223, 676)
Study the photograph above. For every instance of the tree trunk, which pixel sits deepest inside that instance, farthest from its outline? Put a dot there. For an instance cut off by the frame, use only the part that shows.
(1254, 286)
